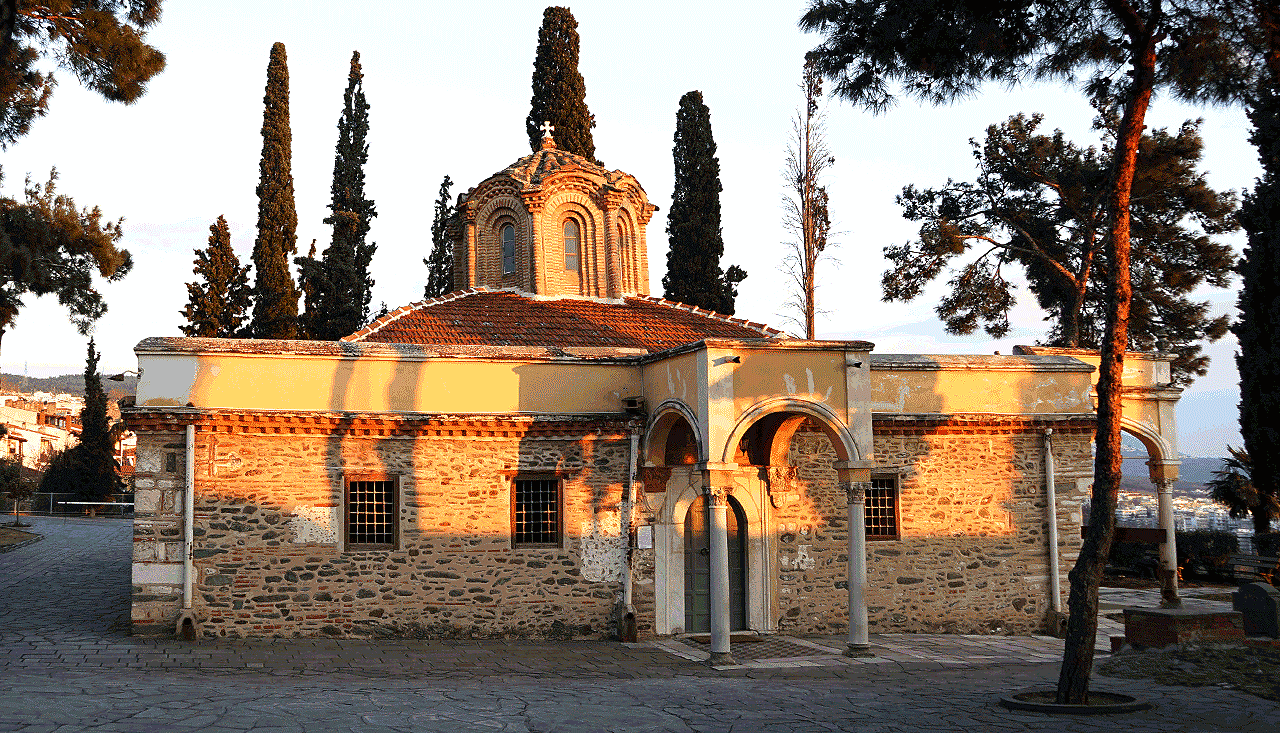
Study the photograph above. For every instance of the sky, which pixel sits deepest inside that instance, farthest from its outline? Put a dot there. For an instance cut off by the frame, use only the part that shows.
(449, 88)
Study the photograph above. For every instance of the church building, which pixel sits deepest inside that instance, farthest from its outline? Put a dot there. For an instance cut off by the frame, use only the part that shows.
(549, 451)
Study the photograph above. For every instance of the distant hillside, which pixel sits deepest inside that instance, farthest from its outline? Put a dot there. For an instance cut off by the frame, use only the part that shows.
(67, 384)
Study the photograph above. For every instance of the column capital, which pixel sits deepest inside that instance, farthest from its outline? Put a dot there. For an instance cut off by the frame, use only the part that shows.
(717, 496)
(1163, 469)
(855, 491)
(853, 470)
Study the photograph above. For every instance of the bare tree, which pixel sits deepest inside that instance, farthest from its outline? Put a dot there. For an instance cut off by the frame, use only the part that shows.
(804, 204)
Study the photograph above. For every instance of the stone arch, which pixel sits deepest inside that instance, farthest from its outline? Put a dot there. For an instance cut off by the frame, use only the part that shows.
(625, 224)
(496, 212)
(669, 415)
(1157, 446)
(790, 414)
(559, 206)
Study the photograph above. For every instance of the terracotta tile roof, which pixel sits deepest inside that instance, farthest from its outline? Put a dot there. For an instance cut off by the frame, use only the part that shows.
(509, 318)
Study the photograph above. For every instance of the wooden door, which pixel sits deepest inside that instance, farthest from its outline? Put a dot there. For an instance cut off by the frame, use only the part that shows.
(697, 568)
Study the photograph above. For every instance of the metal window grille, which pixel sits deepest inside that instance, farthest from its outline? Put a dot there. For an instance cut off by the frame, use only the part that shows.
(882, 508)
(371, 513)
(536, 514)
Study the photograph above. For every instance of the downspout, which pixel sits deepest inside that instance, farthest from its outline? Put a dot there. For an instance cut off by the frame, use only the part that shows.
(187, 626)
(1055, 583)
(627, 620)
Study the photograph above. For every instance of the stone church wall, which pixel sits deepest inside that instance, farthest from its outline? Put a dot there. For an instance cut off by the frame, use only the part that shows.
(972, 554)
(268, 513)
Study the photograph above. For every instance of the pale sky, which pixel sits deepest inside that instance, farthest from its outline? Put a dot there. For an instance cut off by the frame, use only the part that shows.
(449, 87)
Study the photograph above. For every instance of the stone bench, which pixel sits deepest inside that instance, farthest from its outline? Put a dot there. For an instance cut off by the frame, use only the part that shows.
(1260, 567)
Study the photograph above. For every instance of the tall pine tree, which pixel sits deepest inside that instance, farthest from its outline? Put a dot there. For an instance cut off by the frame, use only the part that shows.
(340, 286)
(1259, 356)
(219, 306)
(440, 262)
(693, 274)
(559, 93)
(275, 304)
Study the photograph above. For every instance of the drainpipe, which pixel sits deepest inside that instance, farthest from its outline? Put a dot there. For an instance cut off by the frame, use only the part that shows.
(628, 509)
(627, 625)
(189, 517)
(1055, 583)
(187, 626)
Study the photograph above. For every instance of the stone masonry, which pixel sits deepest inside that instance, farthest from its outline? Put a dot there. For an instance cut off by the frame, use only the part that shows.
(268, 516)
(972, 554)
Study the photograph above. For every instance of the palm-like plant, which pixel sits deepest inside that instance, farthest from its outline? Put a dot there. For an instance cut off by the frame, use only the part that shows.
(1233, 487)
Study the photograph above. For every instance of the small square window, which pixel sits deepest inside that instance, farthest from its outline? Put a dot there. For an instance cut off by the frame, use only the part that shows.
(535, 512)
(371, 513)
(882, 508)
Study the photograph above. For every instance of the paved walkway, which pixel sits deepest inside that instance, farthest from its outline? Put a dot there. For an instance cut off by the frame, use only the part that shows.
(67, 664)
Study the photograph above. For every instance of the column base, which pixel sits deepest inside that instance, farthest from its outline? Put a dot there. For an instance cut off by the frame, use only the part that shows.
(720, 659)
(859, 650)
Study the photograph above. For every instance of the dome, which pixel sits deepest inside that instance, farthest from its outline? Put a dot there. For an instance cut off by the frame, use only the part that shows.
(554, 223)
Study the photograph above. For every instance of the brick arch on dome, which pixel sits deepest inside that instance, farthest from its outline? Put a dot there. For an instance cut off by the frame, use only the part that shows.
(560, 205)
(493, 213)
(628, 249)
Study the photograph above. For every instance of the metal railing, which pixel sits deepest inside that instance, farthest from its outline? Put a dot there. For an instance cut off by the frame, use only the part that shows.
(51, 504)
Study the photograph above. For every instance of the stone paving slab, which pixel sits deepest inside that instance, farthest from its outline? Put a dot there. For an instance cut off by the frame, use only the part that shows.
(66, 664)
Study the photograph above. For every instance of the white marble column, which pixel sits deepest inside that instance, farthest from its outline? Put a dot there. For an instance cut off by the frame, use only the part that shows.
(859, 644)
(1168, 548)
(718, 514)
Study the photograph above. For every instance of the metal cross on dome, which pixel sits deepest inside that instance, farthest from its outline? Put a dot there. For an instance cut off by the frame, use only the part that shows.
(547, 129)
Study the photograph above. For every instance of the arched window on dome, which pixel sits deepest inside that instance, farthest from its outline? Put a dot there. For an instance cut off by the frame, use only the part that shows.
(624, 256)
(508, 249)
(572, 240)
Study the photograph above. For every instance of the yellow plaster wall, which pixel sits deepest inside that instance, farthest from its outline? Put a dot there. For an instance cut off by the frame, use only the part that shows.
(817, 376)
(972, 390)
(676, 377)
(383, 385)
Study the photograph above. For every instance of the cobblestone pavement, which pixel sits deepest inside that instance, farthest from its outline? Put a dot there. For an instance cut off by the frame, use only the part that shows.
(67, 664)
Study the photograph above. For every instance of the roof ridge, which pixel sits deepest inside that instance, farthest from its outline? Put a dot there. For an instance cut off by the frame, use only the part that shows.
(716, 315)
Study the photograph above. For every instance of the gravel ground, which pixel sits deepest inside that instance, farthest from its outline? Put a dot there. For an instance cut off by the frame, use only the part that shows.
(1248, 669)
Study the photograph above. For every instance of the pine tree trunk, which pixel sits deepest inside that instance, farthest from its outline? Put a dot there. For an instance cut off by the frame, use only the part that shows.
(1082, 624)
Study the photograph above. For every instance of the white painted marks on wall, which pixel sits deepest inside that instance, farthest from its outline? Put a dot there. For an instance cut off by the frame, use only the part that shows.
(789, 382)
(802, 561)
(314, 525)
(603, 555)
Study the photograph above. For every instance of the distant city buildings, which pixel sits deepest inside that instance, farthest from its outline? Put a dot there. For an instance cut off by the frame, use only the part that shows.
(1191, 512)
(36, 426)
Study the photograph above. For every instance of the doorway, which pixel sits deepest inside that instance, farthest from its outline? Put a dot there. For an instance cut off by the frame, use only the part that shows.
(697, 568)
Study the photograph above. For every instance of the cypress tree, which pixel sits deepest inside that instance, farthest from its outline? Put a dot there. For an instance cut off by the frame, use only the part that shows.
(559, 93)
(1259, 356)
(218, 307)
(91, 465)
(440, 262)
(340, 286)
(275, 306)
(693, 274)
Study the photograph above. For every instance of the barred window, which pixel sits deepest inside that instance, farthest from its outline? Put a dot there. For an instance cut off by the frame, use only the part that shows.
(372, 505)
(535, 512)
(882, 508)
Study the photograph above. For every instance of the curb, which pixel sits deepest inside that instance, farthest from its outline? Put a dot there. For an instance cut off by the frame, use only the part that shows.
(1101, 703)
(24, 543)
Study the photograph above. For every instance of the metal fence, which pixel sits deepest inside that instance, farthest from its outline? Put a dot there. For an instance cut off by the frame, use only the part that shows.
(52, 505)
